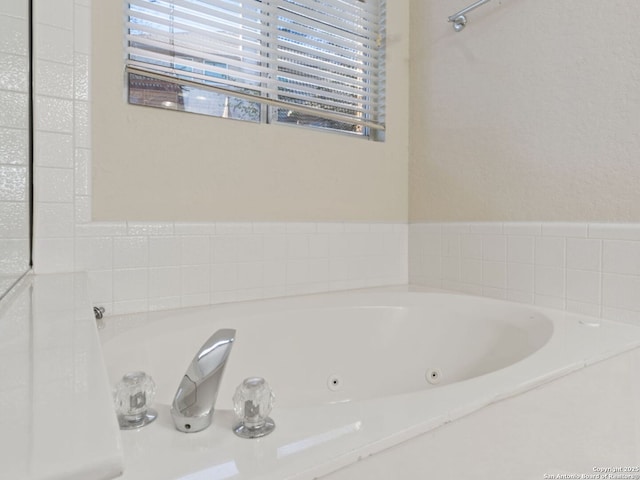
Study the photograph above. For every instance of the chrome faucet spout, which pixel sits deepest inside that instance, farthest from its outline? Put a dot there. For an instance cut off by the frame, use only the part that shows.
(194, 401)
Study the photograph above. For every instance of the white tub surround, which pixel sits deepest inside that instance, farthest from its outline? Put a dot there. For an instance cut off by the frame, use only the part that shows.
(587, 268)
(56, 420)
(385, 398)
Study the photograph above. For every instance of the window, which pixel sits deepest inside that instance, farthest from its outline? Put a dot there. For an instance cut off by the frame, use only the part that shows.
(318, 63)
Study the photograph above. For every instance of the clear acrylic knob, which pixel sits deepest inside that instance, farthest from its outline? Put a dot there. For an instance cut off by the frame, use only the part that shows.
(252, 404)
(132, 397)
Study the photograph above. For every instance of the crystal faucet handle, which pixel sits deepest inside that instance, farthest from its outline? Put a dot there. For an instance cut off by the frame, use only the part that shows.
(252, 404)
(132, 397)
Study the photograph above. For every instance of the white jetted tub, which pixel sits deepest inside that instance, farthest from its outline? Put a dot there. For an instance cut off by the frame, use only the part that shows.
(353, 374)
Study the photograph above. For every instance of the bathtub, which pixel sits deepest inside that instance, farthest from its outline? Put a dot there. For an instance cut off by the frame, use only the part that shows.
(353, 373)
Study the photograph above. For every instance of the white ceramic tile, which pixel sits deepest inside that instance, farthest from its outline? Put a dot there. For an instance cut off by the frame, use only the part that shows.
(54, 149)
(233, 228)
(338, 269)
(319, 270)
(269, 228)
(523, 228)
(194, 228)
(274, 274)
(54, 79)
(195, 279)
(471, 246)
(319, 245)
(101, 286)
(583, 286)
(297, 246)
(615, 231)
(149, 228)
(450, 244)
(520, 277)
(15, 223)
(494, 248)
(351, 227)
(224, 277)
(520, 297)
(101, 229)
(13, 105)
(274, 247)
(195, 250)
(550, 251)
(93, 253)
(164, 303)
(297, 272)
(224, 248)
(621, 291)
(590, 309)
(53, 255)
(13, 33)
(451, 269)
(455, 228)
(82, 30)
(621, 257)
(130, 306)
(54, 220)
(431, 243)
(53, 43)
(521, 249)
(621, 315)
(81, 84)
(164, 251)
(130, 252)
(54, 184)
(164, 282)
(15, 72)
(130, 284)
(250, 275)
(82, 207)
(577, 230)
(497, 293)
(494, 274)
(471, 271)
(432, 268)
(82, 124)
(488, 228)
(82, 171)
(330, 227)
(549, 301)
(250, 248)
(13, 183)
(58, 13)
(14, 146)
(195, 300)
(584, 254)
(54, 114)
(550, 281)
(381, 227)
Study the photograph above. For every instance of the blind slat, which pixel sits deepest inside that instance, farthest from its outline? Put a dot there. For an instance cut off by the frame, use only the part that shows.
(325, 56)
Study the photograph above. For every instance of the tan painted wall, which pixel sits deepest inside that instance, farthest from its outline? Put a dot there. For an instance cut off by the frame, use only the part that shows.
(531, 113)
(150, 164)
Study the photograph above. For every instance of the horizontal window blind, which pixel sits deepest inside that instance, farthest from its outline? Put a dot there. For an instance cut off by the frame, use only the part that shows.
(323, 58)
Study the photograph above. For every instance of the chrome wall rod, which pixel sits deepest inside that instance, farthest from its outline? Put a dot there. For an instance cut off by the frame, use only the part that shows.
(460, 20)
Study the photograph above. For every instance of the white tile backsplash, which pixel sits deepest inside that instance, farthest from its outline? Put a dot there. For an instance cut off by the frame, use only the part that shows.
(593, 269)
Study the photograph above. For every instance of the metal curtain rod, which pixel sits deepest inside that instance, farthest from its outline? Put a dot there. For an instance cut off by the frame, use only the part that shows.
(459, 20)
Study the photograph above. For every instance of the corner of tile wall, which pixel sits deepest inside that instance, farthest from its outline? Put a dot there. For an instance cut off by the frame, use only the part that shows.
(592, 269)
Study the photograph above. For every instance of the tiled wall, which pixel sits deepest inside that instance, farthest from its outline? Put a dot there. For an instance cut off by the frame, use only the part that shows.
(136, 266)
(584, 268)
(14, 141)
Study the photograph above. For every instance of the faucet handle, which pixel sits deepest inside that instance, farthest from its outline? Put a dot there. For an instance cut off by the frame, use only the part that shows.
(252, 404)
(132, 397)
